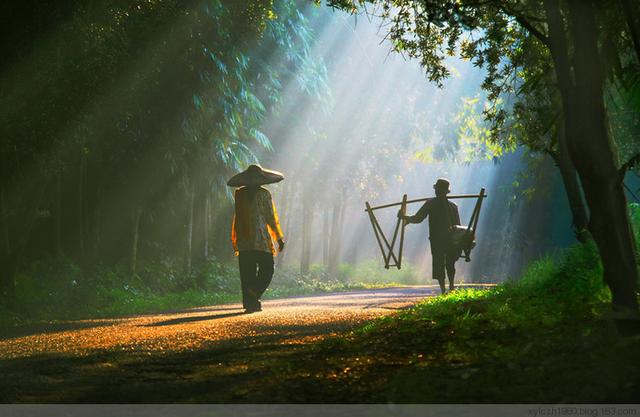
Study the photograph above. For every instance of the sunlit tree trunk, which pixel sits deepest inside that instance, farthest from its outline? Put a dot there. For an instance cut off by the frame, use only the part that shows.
(307, 221)
(591, 149)
(336, 235)
(136, 215)
(573, 189)
(334, 241)
(325, 237)
(352, 253)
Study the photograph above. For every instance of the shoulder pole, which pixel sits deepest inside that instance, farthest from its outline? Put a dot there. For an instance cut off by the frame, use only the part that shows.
(419, 200)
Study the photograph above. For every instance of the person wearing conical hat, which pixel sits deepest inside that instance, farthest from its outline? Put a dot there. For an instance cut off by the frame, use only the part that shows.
(253, 232)
(443, 216)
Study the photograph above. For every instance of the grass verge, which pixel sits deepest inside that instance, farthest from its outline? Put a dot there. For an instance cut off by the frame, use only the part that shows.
(542, 339)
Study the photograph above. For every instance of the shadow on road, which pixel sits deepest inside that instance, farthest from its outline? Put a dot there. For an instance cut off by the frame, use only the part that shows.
(190, 319)
(213, 373)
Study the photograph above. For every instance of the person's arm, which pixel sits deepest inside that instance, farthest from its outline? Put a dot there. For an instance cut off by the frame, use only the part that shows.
(234, 236)
(456, 214)
(273, 223)
(420, 215)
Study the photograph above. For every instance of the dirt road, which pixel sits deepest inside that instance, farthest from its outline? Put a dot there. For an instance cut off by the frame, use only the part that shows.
(203, 354)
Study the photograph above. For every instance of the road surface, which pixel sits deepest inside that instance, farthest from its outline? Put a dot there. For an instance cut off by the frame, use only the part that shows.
(144, 358)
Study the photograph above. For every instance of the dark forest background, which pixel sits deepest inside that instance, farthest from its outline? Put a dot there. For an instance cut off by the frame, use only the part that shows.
(122, 120)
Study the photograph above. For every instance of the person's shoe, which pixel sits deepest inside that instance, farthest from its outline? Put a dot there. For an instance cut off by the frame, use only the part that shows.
(254, 308)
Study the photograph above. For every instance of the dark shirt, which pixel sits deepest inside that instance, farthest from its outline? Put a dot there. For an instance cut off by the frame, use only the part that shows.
(442, 215)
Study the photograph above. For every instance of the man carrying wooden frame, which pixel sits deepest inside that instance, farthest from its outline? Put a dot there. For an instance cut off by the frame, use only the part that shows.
(443, 217)
(449, 240)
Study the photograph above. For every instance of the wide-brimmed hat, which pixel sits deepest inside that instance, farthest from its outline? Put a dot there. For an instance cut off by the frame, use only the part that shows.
(255, 175)
(441, 184)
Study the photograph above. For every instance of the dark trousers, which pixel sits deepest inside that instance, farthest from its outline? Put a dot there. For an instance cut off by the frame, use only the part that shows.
(444, 257)
(256, 271)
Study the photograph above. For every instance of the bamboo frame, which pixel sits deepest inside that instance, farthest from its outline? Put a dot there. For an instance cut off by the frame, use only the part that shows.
(473, 222)
(403, 210)
(381, 238)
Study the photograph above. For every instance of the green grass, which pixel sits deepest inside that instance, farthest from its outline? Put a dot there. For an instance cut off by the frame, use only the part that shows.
(544, 338)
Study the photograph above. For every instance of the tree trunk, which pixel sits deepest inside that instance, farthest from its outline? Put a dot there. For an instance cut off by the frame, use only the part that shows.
(7, 261)
(572, 187)
(136, 214)
(5, 223)
(215, 218)
(59, 212)
(591, 150)
(336, 237)
(596, 163)
(97, 231)
(307, 220)
(81, 214)
(325, 238)
(189, 235)
(207, 223)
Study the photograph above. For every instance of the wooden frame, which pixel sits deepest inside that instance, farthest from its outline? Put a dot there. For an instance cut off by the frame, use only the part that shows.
(387, 248)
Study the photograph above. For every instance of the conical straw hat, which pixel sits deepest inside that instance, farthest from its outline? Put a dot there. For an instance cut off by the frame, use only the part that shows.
(255, 175)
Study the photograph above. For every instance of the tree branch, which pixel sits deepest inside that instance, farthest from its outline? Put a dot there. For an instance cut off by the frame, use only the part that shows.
(635, 160)
(532, 30)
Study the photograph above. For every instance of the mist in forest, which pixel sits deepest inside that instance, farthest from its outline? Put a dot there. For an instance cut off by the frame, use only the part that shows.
(383, 133)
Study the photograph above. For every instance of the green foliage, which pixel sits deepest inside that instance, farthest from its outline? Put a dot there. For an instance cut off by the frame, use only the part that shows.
(135, 106)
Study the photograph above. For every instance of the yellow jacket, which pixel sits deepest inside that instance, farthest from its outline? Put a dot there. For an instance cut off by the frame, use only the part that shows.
(255, 222)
